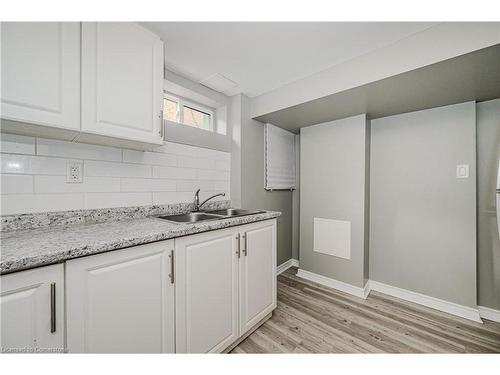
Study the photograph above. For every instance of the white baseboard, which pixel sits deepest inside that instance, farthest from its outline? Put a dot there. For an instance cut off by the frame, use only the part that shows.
(489, 313)
(335, 284)
(288, 264)
(432, 302)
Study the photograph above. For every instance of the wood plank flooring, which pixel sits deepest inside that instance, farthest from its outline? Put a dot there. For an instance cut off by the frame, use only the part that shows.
(311, 318)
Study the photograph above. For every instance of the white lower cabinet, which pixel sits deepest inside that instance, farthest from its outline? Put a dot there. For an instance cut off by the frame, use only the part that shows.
(32, 309)
(195, 294)
(226, 284)
(257, 273)
(121, 301)
(206, 303)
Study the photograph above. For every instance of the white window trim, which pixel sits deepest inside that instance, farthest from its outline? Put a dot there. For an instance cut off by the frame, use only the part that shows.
(181, 103)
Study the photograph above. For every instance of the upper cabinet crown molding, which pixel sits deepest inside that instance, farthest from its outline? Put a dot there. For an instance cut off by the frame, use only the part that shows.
(89, 82)
(122, 81)
(41, 73)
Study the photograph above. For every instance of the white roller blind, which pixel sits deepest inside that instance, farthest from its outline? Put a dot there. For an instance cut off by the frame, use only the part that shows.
(280, 158)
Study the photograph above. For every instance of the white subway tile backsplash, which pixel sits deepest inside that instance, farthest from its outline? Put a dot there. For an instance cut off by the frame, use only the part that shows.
(17, 144)
(112, 169)
(52, 147)
(108, 200)
(12, 163)
(223, 165)
(174, 173)
(195, 162)
(16, 184)
(58, 184)
(34, 175)
(222, 186)
(205, 174)
(152, 158)
(147, 184)
(28, 203)
(193, 185)
(163, 197)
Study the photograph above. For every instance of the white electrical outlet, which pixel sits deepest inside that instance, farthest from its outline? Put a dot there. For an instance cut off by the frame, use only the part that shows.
(74, 172)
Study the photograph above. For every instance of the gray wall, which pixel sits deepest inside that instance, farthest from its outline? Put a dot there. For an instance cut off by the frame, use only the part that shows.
(422, 218)
(333, 163)
(253, 194)
(488, 154)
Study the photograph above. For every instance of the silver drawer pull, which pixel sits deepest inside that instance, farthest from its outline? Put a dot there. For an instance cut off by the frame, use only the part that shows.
(239, 248)
(171, 275)
(245, 244)
(52, 307)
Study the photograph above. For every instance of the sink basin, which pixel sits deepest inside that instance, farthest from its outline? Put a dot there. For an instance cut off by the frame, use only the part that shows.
(190, 217)
(195, 217)
(230, 212)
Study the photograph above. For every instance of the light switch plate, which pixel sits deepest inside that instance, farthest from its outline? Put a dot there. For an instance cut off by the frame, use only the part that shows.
(463, 171)
(74, 172)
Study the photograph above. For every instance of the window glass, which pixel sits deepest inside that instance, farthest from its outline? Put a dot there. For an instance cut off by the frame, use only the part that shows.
(196, 118)
(170, 109)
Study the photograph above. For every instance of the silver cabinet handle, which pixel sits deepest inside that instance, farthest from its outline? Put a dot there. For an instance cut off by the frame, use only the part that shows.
(161, 124)
(245, 244)
(52, 307)
(239, 248)
(171, 275)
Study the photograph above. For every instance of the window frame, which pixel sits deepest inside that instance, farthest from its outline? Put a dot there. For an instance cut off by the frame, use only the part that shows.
(181, 103)
(175, 99)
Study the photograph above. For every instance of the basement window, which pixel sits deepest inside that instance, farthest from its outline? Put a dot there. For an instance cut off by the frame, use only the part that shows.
(181, 111)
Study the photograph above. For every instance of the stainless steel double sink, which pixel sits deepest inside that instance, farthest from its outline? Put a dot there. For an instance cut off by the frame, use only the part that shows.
(200, 216)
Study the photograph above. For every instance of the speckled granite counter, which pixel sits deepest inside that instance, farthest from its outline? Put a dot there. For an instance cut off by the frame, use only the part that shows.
(25, 249)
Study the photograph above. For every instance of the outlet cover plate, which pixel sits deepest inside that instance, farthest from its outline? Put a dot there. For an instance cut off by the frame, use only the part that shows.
(74, 172)
(463, 171)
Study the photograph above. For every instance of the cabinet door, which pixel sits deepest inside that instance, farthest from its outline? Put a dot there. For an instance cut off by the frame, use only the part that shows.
(206, 266)
(121, 301)
(257, 272)
(32, 305)
(122, 81)
(41, 73)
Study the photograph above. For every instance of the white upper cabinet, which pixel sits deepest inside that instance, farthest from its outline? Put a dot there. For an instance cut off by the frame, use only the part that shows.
(122, 81)
(122, 301)
(257, 272)
(40, 79)
(32, 306)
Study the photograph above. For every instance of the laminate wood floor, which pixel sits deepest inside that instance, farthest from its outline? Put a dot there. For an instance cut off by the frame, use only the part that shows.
(311, 318)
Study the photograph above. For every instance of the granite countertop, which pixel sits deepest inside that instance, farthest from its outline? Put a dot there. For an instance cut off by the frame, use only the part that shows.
(23, 249)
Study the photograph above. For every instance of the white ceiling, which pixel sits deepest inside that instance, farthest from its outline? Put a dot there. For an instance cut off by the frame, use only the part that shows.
(260, 57)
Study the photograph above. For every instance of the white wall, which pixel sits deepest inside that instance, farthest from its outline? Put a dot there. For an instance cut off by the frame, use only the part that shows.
(437, 43)
(33, 175)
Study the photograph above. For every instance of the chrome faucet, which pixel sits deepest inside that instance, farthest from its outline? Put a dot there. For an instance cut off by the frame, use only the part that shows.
(197, 203)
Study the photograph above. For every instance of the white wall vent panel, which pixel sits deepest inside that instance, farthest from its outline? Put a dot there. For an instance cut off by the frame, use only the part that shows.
(280, 159)
(332, 237)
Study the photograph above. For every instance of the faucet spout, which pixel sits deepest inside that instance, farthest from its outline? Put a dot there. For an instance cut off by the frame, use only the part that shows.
(197, 203)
